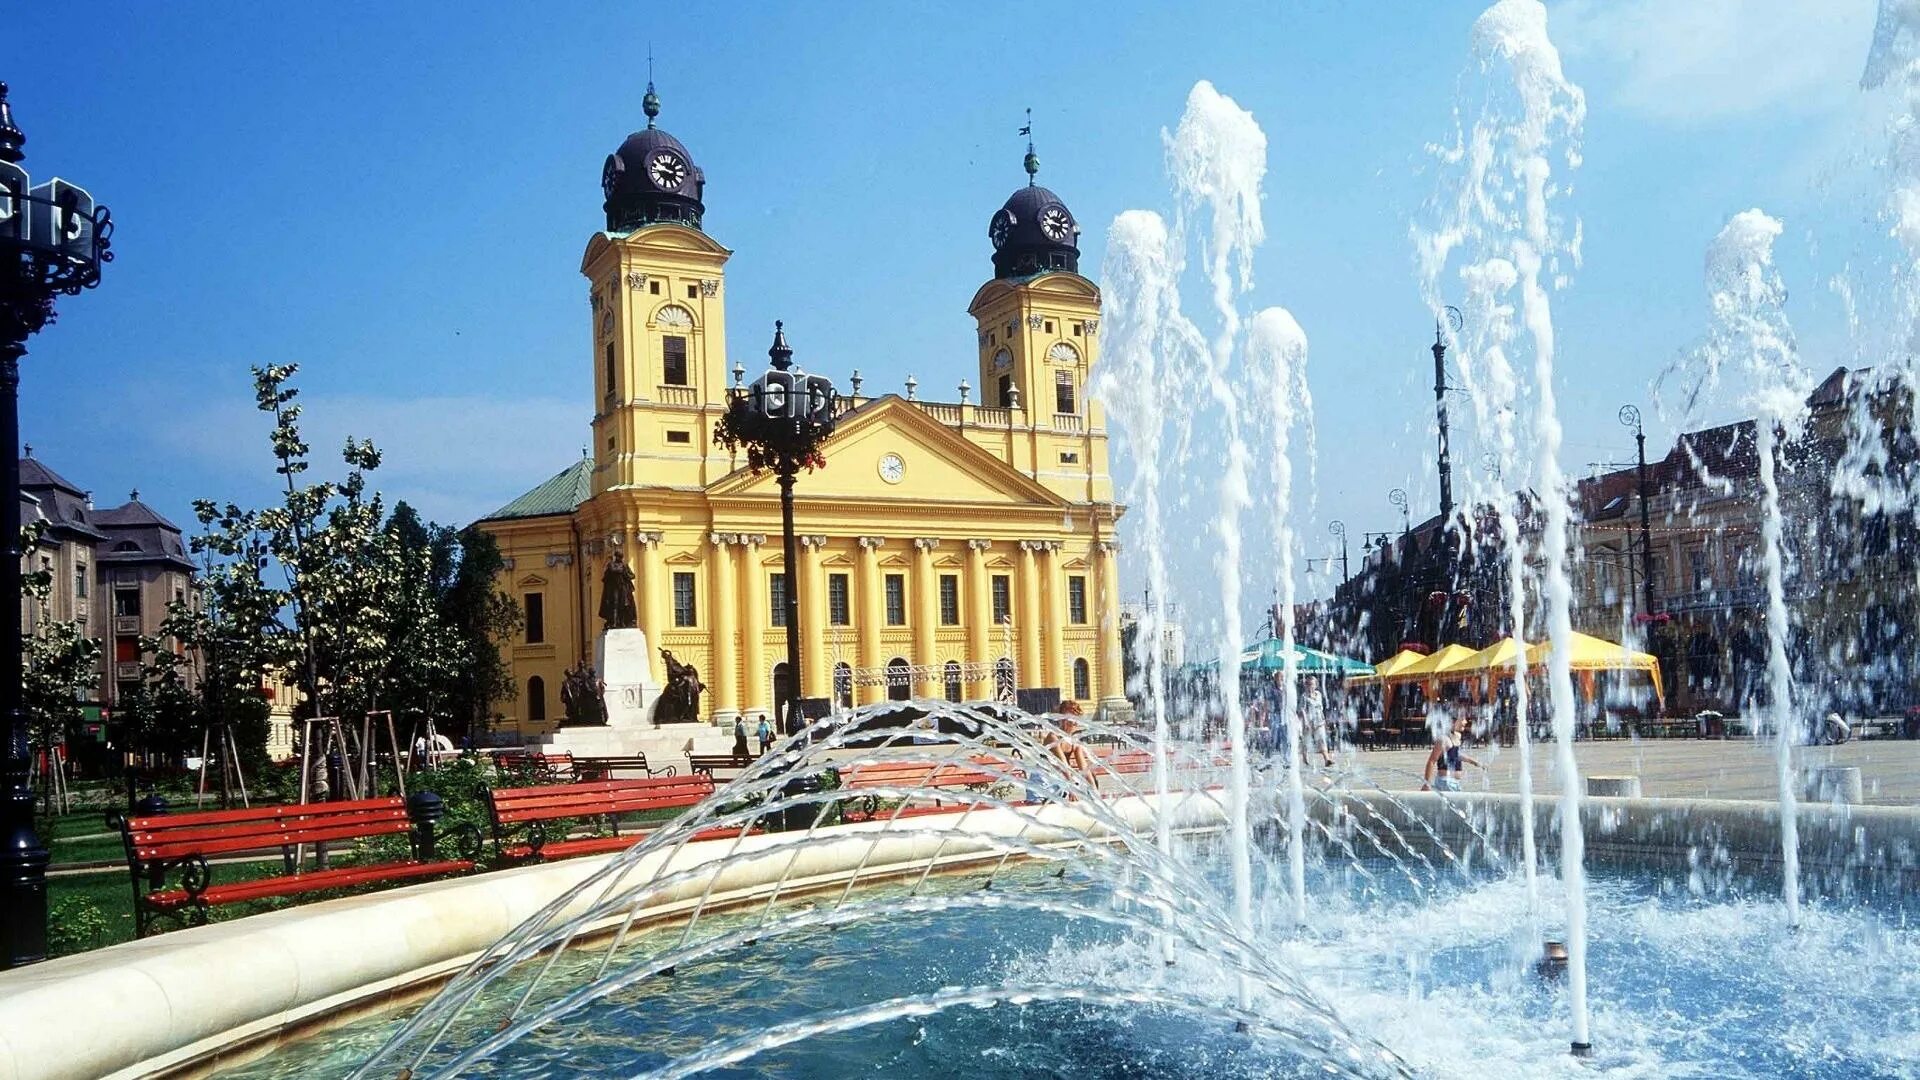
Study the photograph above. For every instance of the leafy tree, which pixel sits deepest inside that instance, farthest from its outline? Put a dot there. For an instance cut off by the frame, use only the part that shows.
(61, 662)
(483, 616)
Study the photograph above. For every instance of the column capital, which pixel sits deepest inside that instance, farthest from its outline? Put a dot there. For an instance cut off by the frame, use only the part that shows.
(720, 539)
(643, 539)
(979, 545)
(564, 559)
(815, 542)
(1109, 547)
(869, 543)
(753, 539)
(926, 543)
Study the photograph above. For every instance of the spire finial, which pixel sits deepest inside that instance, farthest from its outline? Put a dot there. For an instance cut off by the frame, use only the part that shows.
(1033, 160)
(11, 137)
(134, 495)
(29, 449)
(651, 103)
(781, 354)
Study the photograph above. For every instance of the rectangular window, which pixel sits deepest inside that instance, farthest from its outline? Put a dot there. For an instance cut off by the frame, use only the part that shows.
(1077, 601)
(1048, 326)
(653, 287)
(126, 650)
(1078, 328)
(126, 602)
(896, 600)
(536, 608)
(777, 596)
(1002, 598)
(80, 580)
(684, 600)
(1006, 391)
(838, 612)
(1063, 391)
(693, 291)
(1702, 577)
(680, 438)
(674, 350)
(1069, 457)
(612, 384)
(949, 600)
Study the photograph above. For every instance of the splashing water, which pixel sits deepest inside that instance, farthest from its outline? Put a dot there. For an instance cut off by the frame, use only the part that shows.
(1497, 208)
(1278, 348)
(1749, 332)
(1217, 158)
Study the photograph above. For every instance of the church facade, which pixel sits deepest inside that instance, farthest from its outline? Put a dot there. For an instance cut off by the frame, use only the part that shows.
(956, 550)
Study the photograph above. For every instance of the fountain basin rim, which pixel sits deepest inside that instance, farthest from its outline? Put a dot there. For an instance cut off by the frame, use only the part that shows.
(189, 1001)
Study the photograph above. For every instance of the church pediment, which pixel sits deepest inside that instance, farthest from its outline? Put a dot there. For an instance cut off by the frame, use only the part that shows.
(684, 558)
(935, 464)
(532, 581)
(1060, 285)
(660, 239)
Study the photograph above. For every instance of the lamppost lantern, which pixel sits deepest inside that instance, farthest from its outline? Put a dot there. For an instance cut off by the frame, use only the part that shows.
(780, 420)
(1398, 497)
(54, 239)
(1630, 417)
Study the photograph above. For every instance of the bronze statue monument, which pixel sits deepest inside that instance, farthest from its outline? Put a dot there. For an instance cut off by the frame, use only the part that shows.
(617, 609)
(680, 699)
(583, 696)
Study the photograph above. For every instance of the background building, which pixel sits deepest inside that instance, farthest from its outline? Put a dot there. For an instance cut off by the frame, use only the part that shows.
(954, 549)
(115, 571)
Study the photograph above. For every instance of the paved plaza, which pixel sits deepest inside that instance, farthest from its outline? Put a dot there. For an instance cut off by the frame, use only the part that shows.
(1672, 768)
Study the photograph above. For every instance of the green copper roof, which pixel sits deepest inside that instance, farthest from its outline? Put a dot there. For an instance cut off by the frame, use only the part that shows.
(567, 489)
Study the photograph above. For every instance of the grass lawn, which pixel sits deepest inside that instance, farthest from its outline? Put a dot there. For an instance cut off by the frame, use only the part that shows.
(90, 911)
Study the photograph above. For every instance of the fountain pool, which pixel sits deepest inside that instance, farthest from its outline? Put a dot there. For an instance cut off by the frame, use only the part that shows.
(1432, 965)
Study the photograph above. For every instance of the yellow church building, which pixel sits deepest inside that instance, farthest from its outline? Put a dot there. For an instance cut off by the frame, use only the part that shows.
(952, 550)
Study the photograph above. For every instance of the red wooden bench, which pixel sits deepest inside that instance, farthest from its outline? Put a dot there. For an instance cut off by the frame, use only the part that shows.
(537, 767)
(182, 845)
(939, 776)
(523, 817)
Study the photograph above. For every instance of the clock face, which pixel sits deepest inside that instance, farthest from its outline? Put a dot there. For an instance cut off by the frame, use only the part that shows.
(666, 170)
(999, 227)
(1056, 223)
(610, 174)
(892, 469)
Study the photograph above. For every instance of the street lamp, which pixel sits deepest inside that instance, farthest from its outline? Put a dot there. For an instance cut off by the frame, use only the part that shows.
(53, 240)
(1339, 529)
(781, 420)
(1398, 497)
(1630, 417)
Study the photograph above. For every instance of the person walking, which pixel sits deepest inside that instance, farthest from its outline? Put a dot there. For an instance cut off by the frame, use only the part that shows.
(766, 734)
(1313, 723)
(740, 750)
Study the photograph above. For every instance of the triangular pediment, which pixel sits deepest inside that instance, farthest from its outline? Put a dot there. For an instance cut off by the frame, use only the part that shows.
(685, 558)
(532, 581)
(837, 559)
(937, 464)
(1059, 284)
(662, 238)
(946, 561)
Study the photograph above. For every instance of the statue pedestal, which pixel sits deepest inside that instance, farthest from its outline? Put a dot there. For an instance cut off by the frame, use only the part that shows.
(625, 666)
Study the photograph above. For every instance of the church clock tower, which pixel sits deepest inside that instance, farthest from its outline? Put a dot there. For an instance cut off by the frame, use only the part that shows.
(656, 286)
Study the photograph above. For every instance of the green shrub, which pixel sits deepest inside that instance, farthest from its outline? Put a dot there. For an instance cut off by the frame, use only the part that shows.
(74, 924)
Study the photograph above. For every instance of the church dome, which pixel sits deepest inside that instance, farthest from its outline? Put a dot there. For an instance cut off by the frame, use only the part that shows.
(1033, 232)
(652, 178)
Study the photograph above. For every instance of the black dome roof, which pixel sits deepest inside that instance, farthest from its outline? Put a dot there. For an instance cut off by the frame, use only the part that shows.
(652, 178)
(1034, 232)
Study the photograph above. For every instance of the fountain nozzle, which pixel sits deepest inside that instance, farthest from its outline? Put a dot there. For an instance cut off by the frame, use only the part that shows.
(1552, 964)
(1582, 1050)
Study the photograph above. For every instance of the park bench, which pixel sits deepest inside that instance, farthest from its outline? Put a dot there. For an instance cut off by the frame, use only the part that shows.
(708, 764)
(936, 776)
(523, 818)
(183, 846)
(604, 768)
(536, 767)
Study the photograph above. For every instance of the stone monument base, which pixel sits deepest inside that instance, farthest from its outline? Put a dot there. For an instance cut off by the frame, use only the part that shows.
(625, 664)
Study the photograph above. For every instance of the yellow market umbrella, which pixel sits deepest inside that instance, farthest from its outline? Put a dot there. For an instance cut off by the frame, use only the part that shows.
(1393, 665)
(1498, 655)
(1441, 662)
(1588, 654)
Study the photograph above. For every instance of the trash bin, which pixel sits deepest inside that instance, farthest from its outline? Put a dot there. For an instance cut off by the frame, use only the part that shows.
(799, 816)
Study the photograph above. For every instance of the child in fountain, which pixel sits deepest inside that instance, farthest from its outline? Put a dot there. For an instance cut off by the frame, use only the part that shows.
(1313, 724)
(1446, 759)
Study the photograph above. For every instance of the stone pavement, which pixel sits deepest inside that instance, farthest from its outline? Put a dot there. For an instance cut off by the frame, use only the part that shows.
(1670, 768)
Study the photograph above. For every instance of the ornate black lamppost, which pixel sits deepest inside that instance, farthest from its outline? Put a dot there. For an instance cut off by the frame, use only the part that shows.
(1630, 417)
(53, 240)
(780, 421)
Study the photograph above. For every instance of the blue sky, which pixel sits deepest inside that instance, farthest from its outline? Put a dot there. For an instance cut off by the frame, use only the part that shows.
(396, 197)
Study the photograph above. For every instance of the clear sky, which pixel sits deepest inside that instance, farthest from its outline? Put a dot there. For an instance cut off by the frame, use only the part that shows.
(396, 197)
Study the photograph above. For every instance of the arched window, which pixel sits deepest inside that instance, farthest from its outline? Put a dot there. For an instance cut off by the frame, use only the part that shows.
(1003, 679)
(781, 692)
(843, 684)
(1082, 679)
(536, 700)
(899, 680)
(952, 673)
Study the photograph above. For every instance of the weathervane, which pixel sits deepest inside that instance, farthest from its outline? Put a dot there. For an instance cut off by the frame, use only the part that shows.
(1033, 160)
